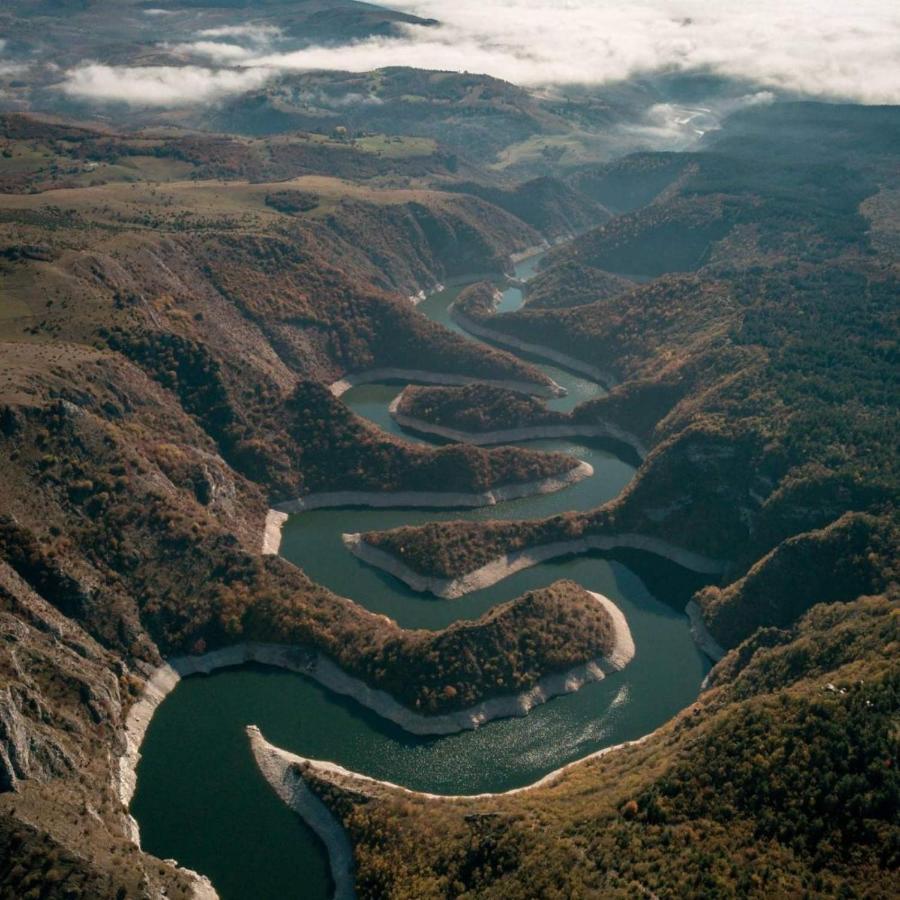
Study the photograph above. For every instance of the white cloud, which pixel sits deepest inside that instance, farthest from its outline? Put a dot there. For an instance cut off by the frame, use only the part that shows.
(817, 47)
(260, 34)
(672, 126)
(159, 85)
(820, 48)
(158, 12)
(226, 52)
(217, 51)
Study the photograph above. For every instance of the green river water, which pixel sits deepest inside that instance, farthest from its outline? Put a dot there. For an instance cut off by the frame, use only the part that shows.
(200, 798)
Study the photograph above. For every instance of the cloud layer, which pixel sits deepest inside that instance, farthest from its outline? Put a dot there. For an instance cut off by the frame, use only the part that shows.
(260, 34)
(160, 85)
(820, 48)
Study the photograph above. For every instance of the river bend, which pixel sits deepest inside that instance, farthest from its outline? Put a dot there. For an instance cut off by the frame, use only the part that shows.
(200, 798)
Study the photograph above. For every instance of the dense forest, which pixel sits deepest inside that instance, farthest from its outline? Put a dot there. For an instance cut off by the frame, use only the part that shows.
(309, 441)
(571, 282)
(476, 408)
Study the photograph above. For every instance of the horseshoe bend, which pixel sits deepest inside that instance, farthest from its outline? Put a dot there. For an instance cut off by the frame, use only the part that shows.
(418, 483)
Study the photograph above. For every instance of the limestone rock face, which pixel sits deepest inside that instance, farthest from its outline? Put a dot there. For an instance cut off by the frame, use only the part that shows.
(26, 752)
(57, 686)
(62, 703)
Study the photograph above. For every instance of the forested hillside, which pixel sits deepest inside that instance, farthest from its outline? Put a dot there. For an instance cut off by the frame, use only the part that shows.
(179, 312)
(765, 377)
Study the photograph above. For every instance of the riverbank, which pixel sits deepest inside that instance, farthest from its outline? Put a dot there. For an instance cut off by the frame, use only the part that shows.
(607, 379)
(283, 771)
(511, 435)
(535, 250)
(271, 542)
(279, 514)
(278, 767)
(701, 634)
(341, 386)
(157, 687)
(424, 294)
(437, 499)
(504, 566)
(163, 680)
(325, 768)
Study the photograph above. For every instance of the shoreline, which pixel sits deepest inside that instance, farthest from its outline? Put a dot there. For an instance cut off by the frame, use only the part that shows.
(606, 379)
(511, 435)
(278, 514)
(276, 766)
(531, 252)
(326, 768)
(425, 293)
(437, 499)
(280, 769)
(503, 566)
(342, 385)
(316, 665)
(271, 542)
(157, 687)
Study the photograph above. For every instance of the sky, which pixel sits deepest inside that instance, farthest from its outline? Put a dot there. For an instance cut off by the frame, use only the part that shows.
(817, 48)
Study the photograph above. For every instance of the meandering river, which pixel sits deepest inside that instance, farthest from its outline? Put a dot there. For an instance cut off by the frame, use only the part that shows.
(200, 798)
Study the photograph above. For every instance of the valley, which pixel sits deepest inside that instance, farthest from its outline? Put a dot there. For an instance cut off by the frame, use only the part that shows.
(417, 484)
(321, 725)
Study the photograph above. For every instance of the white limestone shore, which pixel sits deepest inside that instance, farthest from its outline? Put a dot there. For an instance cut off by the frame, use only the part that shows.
(701, 634)
(529, 252)
(156, 688)
(277, 767)
(425, 293)
(271, 542)
(563, 359)
(325, 768)
(545, 245)
(510, 435)
(163, 680)
(506, 565)
(538, 389)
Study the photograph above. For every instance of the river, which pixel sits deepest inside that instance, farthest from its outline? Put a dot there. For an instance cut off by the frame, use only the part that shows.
(200, 798)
